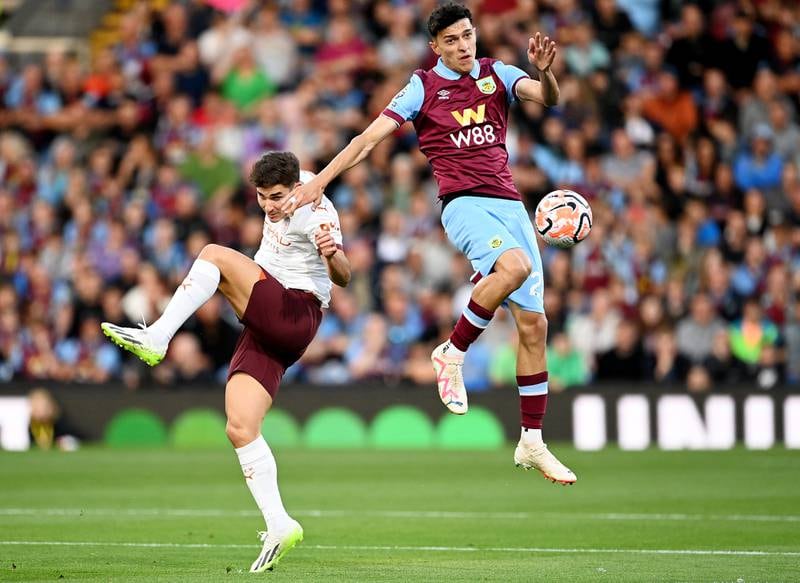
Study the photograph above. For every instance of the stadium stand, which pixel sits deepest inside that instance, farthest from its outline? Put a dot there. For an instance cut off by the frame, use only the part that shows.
(678, 122)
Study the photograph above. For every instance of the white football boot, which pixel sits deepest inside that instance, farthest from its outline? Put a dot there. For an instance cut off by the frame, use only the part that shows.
(136, 340)
(530, 457)
(276, 546)
(450, 379)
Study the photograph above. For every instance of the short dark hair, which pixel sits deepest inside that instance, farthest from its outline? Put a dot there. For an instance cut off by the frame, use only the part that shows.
(446, 15)
(276, 168)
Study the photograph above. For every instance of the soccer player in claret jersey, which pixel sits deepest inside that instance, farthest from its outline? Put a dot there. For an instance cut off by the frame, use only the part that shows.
(459, 109)
(279, 298)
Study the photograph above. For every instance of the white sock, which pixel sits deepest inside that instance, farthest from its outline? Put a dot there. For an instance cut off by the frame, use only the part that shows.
(453, 351)
(197, 288)
(530, 436)
(261, 476)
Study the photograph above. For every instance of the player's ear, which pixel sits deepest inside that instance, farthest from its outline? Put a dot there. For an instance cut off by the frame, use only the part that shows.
(435, 47)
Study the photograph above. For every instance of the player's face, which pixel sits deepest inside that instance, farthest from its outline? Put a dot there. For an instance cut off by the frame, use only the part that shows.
(456, 45)
(270, 199)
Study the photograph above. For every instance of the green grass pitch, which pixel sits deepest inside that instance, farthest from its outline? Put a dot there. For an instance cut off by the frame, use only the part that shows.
(104, 515)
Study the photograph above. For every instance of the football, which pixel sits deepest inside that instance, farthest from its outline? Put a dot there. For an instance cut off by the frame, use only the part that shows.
(563, 218)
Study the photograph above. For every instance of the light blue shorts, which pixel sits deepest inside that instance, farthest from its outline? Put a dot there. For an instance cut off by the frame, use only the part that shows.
(483, 228)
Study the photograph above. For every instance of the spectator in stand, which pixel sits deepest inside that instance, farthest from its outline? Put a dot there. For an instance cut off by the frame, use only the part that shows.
(403, 48)
(718, 110)
(752, 336)
(671, 108)
(586, 55)
(215, 177)
(274, 48)
(218, 44)
(305, 24)
(755, 111)
(624, 166)
(626, 360)
(367, 356)
(667, 365)
(785, 132)
(692, 49)
(566, 366)
(743, 52)
(761, 167)
(722, 368)
(244, 84)
(185, 362)
(612, 24)
(696, 332)
(595, 332)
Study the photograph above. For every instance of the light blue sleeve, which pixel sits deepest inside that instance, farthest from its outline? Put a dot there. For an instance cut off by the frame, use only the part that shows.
(407, 103)
(509, 74)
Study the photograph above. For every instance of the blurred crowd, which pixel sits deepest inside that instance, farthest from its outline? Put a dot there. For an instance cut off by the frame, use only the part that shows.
(677, 120)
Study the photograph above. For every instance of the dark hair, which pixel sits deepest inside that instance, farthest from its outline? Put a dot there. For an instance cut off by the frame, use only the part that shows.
(276, 168)
(446, 15)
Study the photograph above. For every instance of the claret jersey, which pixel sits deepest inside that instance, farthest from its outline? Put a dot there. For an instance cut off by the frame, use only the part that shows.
(288, 250)
(461, 124)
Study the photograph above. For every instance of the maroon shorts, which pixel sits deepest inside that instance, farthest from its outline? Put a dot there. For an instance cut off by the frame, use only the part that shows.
(279, 324)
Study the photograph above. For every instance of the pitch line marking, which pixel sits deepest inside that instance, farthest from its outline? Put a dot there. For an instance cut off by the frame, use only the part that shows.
(705, 552)
(436, 514)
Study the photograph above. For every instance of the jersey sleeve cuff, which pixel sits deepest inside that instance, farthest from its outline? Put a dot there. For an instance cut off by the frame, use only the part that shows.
(398, 119)
(514, 86)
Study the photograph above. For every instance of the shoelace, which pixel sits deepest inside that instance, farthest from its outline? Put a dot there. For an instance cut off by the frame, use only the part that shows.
(454, 362)
(143, 323)
(262, 535)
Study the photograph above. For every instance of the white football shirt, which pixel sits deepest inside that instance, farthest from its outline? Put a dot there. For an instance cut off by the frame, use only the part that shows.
(288, 249)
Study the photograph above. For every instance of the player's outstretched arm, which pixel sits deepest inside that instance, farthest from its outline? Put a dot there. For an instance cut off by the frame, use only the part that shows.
(335, 260)
(541, 53)
(358, 149)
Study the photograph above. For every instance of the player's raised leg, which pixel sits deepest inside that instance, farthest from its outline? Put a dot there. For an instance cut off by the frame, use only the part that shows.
(510, 271)
(532, 452)
(215, 268)
(246, 403)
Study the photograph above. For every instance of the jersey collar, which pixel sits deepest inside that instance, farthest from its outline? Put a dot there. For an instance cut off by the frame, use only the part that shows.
(443, 71)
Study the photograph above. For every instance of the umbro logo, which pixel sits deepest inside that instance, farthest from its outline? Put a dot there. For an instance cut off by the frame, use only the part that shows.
(443, 94)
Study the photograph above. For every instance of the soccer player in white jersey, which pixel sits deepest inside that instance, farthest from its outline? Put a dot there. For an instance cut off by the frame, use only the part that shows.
(279, 298)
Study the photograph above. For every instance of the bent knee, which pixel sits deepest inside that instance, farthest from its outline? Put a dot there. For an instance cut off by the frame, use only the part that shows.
(239, 433)
(213, 253)
(516, 267)
(532, 328)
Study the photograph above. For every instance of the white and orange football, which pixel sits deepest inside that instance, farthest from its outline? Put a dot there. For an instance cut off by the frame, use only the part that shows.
(563, 218)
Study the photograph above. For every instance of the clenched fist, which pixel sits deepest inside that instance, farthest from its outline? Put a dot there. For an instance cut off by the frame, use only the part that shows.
(325, 244)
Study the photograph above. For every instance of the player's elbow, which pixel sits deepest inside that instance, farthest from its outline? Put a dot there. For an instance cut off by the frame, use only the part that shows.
(363, 143)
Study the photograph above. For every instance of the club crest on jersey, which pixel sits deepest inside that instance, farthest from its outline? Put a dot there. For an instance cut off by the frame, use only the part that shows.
(495, 242)
(486, 85)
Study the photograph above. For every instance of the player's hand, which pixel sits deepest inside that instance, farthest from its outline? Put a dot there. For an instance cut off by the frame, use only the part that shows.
(301, 196)
(541, 52)
(326, 244)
